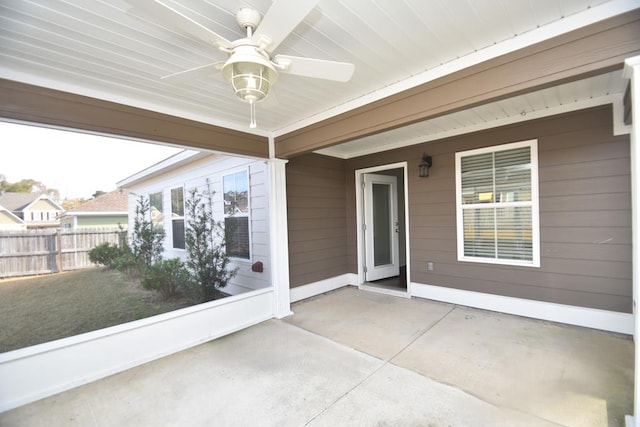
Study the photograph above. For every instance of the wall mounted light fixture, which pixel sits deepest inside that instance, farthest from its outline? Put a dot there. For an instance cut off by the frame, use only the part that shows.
(427, 162)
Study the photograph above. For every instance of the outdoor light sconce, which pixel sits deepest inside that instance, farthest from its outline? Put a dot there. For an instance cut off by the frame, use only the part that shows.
(427, 161)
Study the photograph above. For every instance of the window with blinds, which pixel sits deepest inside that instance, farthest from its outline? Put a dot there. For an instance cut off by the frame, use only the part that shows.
(177, 218)
(497, 204)
(236, 212)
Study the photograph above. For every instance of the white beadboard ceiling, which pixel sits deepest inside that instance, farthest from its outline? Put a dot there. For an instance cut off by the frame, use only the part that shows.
(96, 48)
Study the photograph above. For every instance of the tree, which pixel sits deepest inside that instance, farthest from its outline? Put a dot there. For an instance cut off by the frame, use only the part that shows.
(146, 239)
(98, 193)
(207, 259)
(22, 186)
(27, 186)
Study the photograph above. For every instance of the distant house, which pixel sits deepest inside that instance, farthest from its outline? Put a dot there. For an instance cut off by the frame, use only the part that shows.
(9, 221)
(36, 210)
(108, 210)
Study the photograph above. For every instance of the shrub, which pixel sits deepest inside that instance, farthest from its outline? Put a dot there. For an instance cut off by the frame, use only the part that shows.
(166, 276)
(127, 263)
(207, 259)
(105, 254)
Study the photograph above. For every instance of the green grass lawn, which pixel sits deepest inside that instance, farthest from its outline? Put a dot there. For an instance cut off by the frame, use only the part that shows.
(44, 308)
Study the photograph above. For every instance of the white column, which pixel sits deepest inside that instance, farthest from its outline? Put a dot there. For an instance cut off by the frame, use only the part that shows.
(632, 72)
(279, 237)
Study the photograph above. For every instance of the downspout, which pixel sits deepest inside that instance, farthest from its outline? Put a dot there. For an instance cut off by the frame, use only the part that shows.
(278, 233)
(632, 72)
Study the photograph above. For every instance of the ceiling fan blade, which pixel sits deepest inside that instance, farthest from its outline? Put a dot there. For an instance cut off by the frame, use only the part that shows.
(316, 68)
(281, 19)
(194, 73)
(161, 11)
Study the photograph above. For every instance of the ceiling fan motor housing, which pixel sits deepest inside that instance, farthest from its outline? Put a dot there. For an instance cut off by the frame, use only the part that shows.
(247, 17)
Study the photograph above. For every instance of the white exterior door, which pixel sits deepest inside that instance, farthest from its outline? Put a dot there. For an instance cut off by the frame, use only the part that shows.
(381, 226)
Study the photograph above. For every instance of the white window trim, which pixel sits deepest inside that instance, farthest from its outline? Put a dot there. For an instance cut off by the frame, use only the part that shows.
(535, 203)
(248, 214)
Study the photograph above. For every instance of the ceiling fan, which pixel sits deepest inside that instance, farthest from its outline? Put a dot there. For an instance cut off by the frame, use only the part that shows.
(250, 68)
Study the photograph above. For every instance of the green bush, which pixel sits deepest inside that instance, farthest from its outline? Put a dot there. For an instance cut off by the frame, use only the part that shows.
(127, 263)
(166, 276)
(105, 254)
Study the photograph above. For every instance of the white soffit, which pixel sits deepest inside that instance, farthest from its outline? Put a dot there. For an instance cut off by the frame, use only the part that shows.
(598, 90)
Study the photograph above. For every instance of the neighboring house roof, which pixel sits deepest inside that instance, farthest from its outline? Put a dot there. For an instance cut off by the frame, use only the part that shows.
(16, 202)
(109, 203)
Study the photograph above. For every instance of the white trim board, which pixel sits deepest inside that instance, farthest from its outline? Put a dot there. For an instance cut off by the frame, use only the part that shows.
(580, 316)
(320, 287)
(384, 291)
(36, 372)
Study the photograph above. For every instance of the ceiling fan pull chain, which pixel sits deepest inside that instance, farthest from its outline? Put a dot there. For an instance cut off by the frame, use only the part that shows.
(252, 106)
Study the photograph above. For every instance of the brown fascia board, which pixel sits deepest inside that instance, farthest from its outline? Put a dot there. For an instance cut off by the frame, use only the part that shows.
(591, 50)
(40, 105)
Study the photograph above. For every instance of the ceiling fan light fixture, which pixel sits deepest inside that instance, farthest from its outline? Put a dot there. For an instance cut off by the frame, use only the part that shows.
(250, 74)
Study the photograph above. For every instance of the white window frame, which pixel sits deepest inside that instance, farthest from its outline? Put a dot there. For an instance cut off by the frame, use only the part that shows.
(534, 204)
(247, 215)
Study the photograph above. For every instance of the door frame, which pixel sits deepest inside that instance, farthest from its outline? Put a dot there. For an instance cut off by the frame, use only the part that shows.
(360, 219)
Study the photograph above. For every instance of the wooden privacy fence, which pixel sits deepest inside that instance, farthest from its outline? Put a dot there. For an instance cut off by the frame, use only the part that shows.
(24, 253)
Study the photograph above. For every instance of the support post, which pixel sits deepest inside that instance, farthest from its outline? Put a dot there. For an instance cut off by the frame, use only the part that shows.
(632, 72)
(279, 237)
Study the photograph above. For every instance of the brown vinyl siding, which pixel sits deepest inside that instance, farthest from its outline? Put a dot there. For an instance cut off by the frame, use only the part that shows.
(316, 214)
(585, 213)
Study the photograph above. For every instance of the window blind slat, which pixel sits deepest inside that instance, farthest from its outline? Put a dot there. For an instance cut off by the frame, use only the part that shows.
(514, 233)
(479, 233)
(477, 179)
(513, 175)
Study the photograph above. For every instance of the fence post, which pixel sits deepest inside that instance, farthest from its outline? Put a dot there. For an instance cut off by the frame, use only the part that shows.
(59, 245)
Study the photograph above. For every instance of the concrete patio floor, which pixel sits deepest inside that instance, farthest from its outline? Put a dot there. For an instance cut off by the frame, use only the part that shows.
(357, 358)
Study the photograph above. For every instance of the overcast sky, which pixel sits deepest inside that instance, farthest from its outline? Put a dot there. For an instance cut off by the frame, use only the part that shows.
(75, 164)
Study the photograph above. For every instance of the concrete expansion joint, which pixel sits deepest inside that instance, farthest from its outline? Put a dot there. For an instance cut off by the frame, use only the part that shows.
(543, 419)
(382, 365)
(346, 393)
(421, 333)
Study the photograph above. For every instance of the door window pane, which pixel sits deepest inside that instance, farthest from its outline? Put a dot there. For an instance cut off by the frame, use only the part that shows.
(381, 224)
